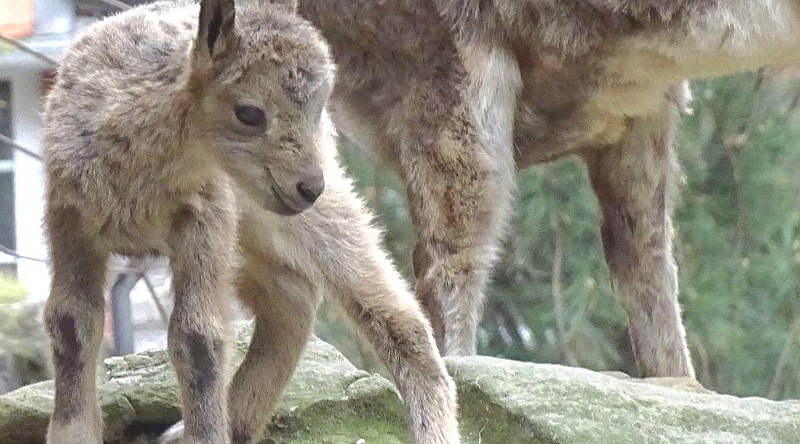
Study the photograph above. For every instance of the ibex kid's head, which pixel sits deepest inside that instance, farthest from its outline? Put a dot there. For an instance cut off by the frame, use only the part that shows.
(259, 82)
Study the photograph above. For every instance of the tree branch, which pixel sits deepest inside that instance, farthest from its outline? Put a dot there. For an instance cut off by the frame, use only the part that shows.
(9, 141)
(159, 306)
(11, 252)
(777, 379)
(25, 48)
(117, 4)
(567, 356)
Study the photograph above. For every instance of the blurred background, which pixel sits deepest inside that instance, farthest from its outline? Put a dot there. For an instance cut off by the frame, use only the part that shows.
(737, 235)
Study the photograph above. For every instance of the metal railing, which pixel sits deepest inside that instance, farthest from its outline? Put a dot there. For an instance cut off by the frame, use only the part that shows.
(128, 275)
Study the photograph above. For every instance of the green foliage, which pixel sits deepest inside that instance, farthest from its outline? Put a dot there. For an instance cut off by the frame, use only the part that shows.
(555, 210)
(11, 290)
(739, 234)
(737, 244)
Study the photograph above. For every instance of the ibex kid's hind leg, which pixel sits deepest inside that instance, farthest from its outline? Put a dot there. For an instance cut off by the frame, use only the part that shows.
(74, 319)
(284, 304)
(387, 315)
(344, 250)
(203, 247)
(634, 182)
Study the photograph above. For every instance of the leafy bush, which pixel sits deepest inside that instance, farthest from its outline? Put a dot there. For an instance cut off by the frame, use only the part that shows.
(11, 290)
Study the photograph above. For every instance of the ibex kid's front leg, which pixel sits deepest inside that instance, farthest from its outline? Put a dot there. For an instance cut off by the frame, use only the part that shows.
(203, 253)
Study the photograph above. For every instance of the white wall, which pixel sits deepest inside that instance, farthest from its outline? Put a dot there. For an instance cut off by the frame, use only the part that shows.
(29, 181)
(54, 21)
(53, 16)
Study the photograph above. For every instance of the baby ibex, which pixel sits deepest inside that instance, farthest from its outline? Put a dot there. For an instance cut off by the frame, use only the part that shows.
(165, 137)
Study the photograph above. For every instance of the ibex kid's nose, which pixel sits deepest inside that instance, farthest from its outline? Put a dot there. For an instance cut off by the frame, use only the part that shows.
(311, 189)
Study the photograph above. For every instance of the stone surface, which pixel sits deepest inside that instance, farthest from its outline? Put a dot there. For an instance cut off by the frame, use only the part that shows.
(331, 402)
(505, 401)
(24, 347)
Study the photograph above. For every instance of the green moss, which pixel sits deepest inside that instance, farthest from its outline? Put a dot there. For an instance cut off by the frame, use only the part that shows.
(24, 413)
(21, 423)
(118, 414)
(344, 431)
(349, 406)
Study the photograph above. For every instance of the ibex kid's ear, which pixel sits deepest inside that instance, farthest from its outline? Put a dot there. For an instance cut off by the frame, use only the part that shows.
(216, 36)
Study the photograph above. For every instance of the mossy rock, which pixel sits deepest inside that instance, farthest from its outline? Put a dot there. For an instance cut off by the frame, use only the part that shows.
(513, 402)
(23, 344)
(328, 401)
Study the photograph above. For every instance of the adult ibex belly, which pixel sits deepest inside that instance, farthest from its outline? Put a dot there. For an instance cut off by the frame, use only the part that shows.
(573, 104)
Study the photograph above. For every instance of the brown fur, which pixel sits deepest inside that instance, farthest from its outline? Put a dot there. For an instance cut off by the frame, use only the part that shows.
(457, 94)
(147, 154)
